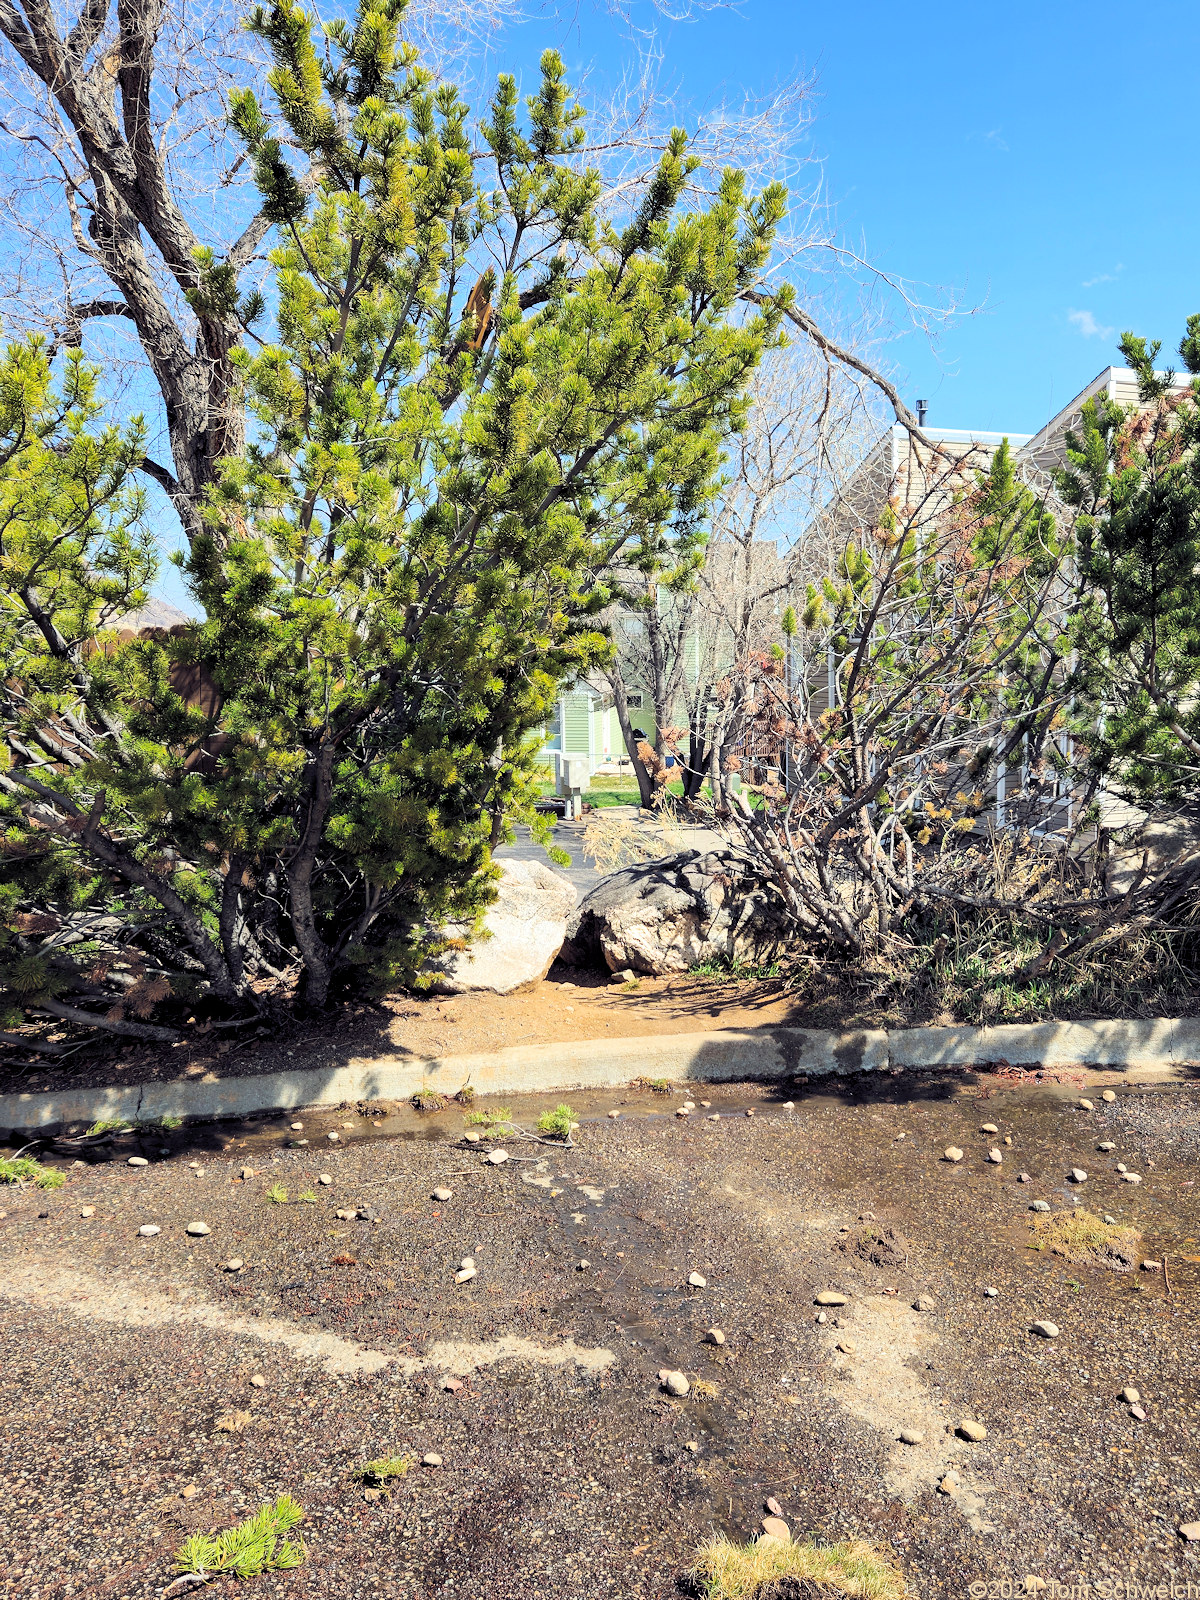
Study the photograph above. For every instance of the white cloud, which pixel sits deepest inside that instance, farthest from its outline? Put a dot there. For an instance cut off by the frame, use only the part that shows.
(994, 137)
(1104, 277)
(1088, 326)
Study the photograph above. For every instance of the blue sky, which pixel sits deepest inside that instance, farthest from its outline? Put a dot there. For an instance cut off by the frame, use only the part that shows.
(1039, 160)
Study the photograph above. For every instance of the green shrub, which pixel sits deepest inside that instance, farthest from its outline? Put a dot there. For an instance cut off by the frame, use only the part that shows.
(557, 1123)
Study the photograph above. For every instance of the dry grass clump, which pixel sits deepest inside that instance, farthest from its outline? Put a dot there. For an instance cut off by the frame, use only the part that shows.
(1081, 1236)
(724, 1570)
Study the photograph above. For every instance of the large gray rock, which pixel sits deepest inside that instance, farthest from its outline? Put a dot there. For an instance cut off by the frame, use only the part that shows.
(527, 925)
(669, 915)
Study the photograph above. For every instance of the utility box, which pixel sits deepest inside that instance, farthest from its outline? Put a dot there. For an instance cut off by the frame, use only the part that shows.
(574, 776)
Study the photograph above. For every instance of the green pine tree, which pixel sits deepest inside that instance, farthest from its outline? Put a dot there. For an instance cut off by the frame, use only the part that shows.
(481, 394)
(1133, 473)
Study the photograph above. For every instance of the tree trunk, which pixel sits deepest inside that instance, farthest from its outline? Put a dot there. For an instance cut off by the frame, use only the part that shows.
(645, 782)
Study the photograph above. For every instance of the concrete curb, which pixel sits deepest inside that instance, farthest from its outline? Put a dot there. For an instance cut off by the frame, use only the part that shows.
(762, 1055)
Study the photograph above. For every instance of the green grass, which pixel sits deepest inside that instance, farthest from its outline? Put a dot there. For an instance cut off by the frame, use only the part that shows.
(494, 1124)
(655, 1085)
(724, 1570)
(386, 1470)
(731, 971)
(615, 789)
(170, 1122)
(308, 1198)
(556, 1124)
(252, 1547)
(109, 1125)
(24, 1169)
(277, 1194)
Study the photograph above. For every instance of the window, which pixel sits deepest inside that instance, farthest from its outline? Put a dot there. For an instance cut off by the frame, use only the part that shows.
(634, 701)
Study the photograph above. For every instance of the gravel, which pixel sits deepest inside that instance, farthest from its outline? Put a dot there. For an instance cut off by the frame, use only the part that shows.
(564, 1483)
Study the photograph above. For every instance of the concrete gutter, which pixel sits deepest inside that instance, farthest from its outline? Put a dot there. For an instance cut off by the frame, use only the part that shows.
(1156, 1048)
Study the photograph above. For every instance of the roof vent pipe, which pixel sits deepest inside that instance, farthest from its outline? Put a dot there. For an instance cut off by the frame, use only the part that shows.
(922, 408)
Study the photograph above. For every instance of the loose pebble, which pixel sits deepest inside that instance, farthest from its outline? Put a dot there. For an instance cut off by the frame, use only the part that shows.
(713, 1116)
(325, 1179)
(691, 1446)
(296, 1127)
(333, 1137)
(1190, 1531)
(198, 1229)
(257, 1380)
(443, 1194)
(911, 1436)
(467, 1261)
(1109, 1095)
(465, 1275)
(924, 1302)
(234, 1264)
(189, 1491)
(1112, 1221)
(689, 1105)
(431, 1459)
(149, 1229)
(847, 1346)
(949, 1484)
(1130, 1395)
(991, 1293)
(137, 1161)
(974, 1431)
(1132, 1177)
(952, 1153)
(582, 1266)
(1137, 1413)
(995, 1157)
(752, 1112)
(1106, 1146)
(988, 1127)
(1121, 1167)
(471, 1138)
(1040, 1205)
(87, 1211)
(614, 1113)
(695, 1281)
(1151, 1266)
(246, 1172)
(830, 1297)
(1023, 1177)
(1078, 1175)
(682, 1111)
(497, 1158)
(673, 1382)
(706, 1104)
(776, 1528)
(451, 1385)
(1087, 1105)
(1045, 1330)
(714, 1336)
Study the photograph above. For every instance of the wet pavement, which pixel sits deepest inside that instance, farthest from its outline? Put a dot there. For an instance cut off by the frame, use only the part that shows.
(566, 1471)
